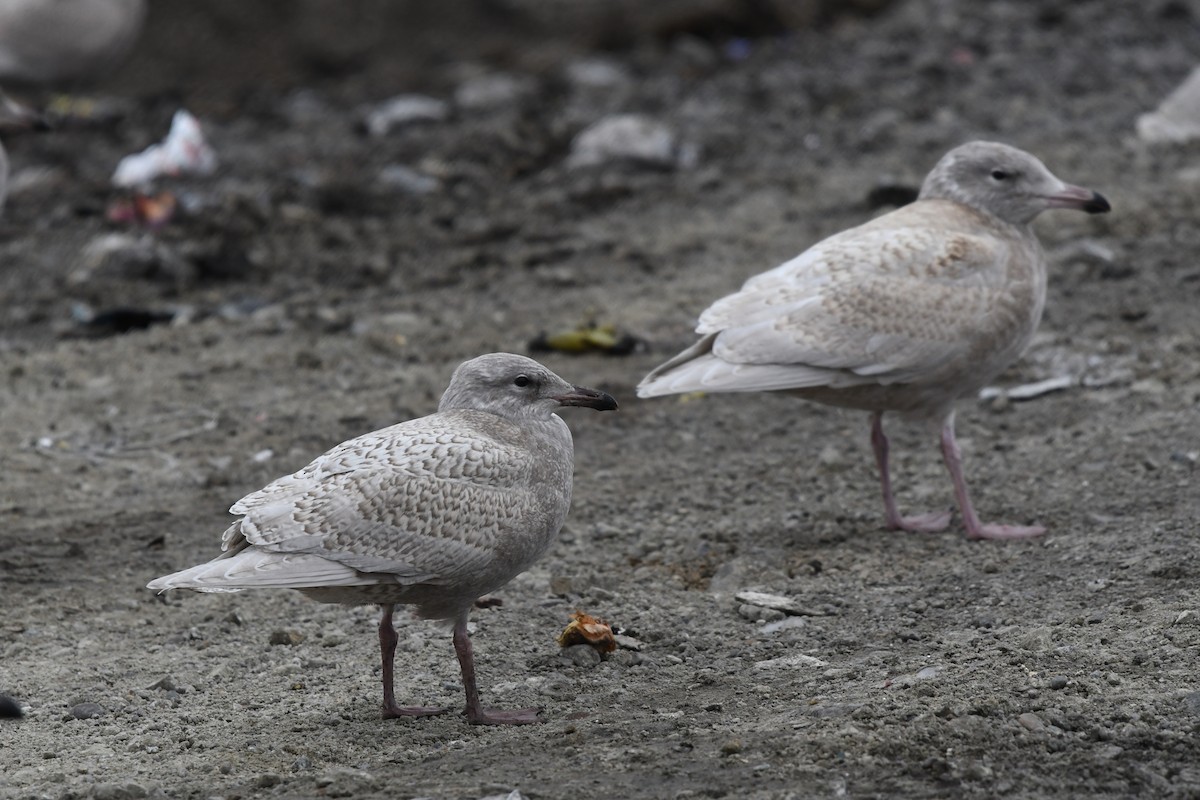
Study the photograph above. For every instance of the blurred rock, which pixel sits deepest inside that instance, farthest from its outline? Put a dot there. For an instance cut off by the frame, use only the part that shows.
(404, 109)
(493, 90)
(407, 180)
(632, 139)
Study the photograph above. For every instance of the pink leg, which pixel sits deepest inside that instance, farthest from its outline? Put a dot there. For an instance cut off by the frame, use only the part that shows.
(934, 521)
(387, 648)
(477, 714)
(975, 529)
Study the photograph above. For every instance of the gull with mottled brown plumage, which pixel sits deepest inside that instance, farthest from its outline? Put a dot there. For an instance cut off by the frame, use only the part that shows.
(433, 513)
(905, 313)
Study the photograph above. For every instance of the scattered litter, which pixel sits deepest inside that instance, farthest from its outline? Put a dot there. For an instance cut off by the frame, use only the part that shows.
(777, 602)
(150, 210)
(184, 151)
(587, 338)
(1028, 391)
(1177, 119)
(586, 629)
(630, 138)
(513, 795)
(404, 109)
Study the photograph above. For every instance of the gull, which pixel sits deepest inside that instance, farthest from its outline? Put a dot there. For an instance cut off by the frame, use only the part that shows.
(905, 313)
(433, 513)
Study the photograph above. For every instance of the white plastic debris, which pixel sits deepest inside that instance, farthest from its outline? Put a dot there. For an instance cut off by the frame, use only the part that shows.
(404, 109)
(631, 138)
(1028, 391)
(1177, 119)
(777, 602)
(184, 151)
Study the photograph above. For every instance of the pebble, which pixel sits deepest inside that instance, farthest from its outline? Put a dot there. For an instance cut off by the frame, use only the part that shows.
(795, 660)
(760, 614)
(1031, 722)
(287, 637)
(785, 624)
(1057, 682)
(87, 711)
(629, 138)
(596, 73)
(775, 601)
(1189, 617)
(492, 91)
(408, 180)
(118, 791)
(581, 655)
(404, 109)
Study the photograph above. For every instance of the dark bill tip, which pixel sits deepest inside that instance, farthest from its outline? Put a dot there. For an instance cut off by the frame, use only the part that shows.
(588, 398)
(1098, 204)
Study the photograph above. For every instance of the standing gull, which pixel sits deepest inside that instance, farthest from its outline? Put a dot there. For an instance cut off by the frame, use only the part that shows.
(434, 512)
(56, 41)
(906, 313)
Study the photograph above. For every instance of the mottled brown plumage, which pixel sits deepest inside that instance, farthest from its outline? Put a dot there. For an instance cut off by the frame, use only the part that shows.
(434, 512)
(906, 313)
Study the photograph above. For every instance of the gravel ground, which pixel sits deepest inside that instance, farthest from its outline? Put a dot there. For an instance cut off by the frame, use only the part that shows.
(326, 281)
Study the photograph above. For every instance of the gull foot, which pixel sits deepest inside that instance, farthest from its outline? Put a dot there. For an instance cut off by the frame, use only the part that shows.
(1006, 532)
(492, 716)
(394, 711)
(922, 523)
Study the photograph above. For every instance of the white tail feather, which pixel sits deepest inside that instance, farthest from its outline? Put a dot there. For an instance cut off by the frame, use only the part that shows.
(253, 568)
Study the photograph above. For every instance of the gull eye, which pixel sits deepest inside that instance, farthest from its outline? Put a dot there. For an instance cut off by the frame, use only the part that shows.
(522, 381)
(1000, 175)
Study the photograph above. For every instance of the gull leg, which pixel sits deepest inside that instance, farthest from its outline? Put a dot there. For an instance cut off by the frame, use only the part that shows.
(387, 649)
(476, 713)
(934, 521)
(976, 529)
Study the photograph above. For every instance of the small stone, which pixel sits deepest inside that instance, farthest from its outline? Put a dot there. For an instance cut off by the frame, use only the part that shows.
(759, 614)
(1188, 617)
(286, 636)
(775, 601)
(87, 711)
(629, 138)
(165, 683)
(267, 780)
(731, 747)
(408, 180)
(1057, 682)
(581, 655)
(302, 764)
(118, 791)
(493, 91)
(402, 110)
(1031, 722)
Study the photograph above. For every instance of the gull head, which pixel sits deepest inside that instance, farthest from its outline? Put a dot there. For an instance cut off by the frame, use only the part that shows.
(1005, 182)
(516, 387)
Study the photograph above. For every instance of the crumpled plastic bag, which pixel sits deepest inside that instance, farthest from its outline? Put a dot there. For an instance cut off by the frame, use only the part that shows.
(184, 151)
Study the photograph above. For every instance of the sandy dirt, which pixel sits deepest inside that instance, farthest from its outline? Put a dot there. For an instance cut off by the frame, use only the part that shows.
(315, 300)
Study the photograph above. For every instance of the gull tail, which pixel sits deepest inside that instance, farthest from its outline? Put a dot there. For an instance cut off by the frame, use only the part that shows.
(254, 568)
(661, 382)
